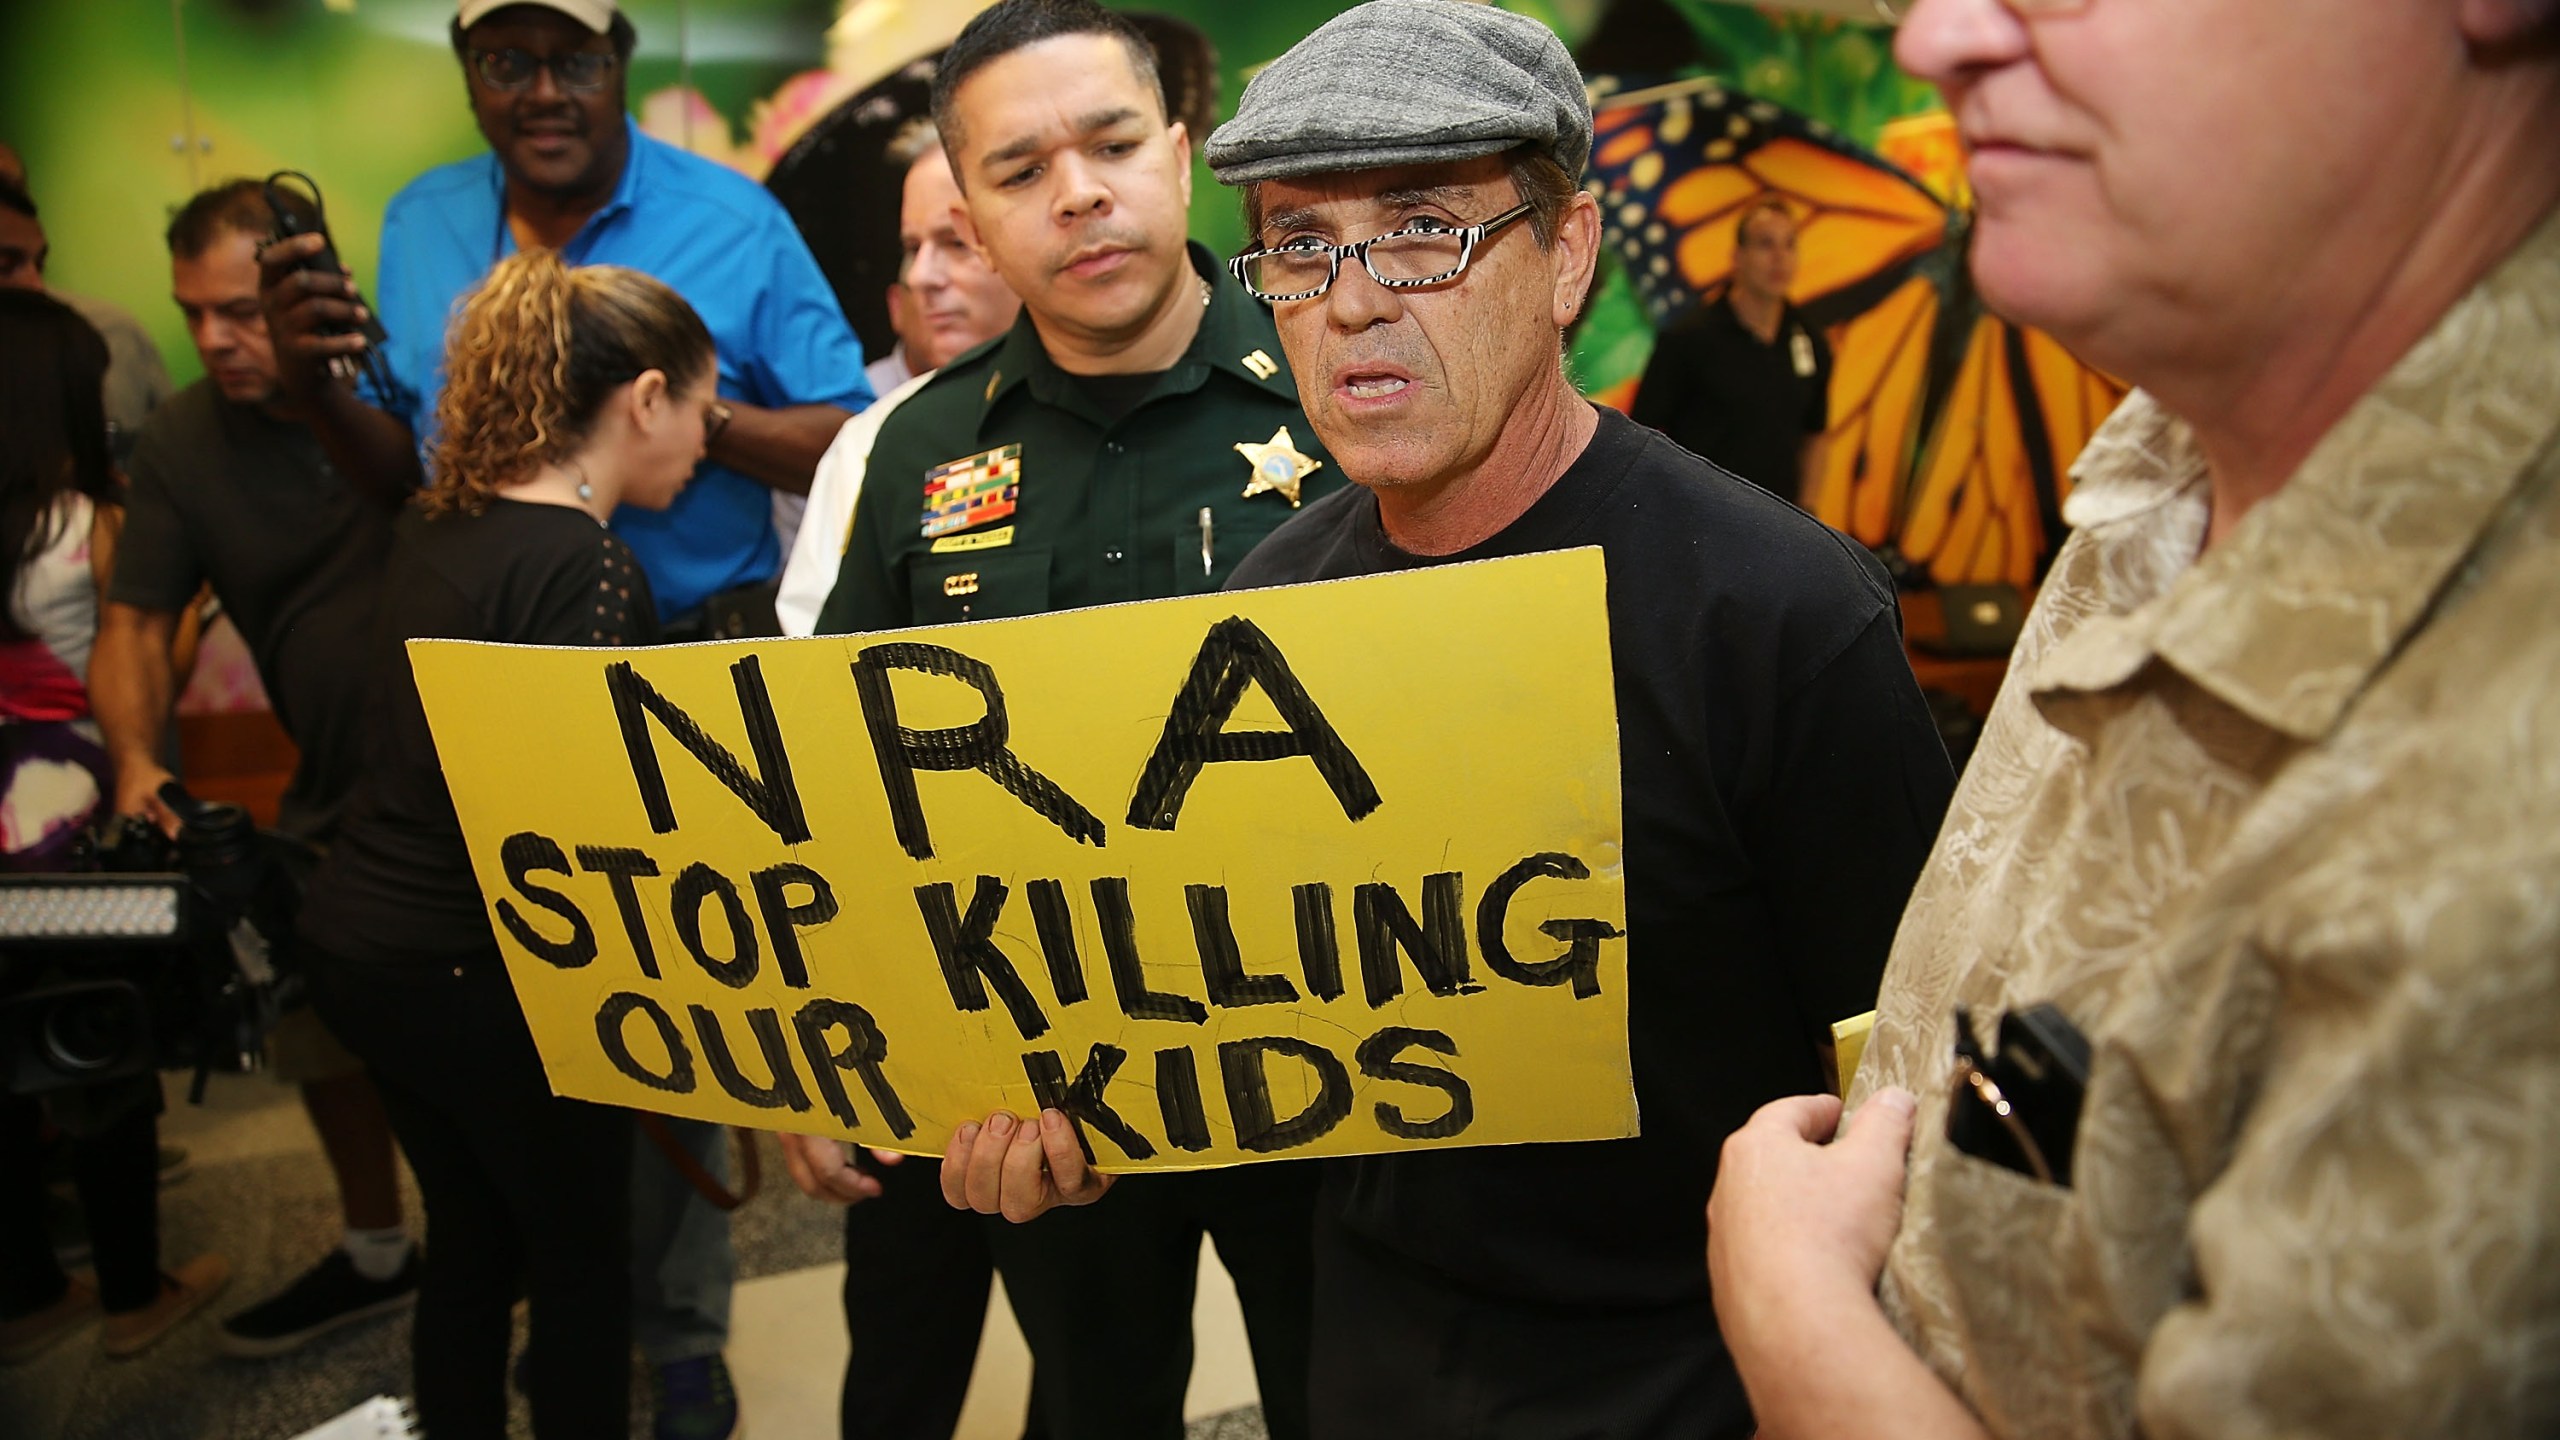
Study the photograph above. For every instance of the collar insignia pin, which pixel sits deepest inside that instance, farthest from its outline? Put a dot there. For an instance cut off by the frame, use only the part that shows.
(1261, 364)
(1277, 466)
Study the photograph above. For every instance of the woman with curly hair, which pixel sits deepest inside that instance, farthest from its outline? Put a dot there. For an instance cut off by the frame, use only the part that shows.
(567, 393)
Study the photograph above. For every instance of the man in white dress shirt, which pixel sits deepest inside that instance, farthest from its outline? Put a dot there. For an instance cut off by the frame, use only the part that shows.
(947, 299)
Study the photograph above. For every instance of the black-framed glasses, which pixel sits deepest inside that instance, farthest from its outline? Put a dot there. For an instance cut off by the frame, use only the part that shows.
(512, 70)
(1399, 260)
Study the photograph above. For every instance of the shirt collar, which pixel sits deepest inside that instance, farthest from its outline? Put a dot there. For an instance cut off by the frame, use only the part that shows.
(1235, 336)
(1725, 311)
(2291, 616)
(635, 160)
(626, 193)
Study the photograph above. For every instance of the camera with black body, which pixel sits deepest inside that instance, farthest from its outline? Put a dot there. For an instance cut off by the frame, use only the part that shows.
(150, 953)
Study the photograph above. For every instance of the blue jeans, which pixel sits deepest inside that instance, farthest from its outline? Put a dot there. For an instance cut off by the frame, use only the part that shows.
(682, 1266)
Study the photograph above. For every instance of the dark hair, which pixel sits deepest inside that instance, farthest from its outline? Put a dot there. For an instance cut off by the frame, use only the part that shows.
(1535, 175)
(1545, 184)
(234, 205)
(53, 429)
(535, 352)
(1010, 25)
(1767, 204)
(14, 198)
(1186, 70)
(624, 38)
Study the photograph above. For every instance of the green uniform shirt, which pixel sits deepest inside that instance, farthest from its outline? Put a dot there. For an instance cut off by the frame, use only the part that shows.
(1036, 503)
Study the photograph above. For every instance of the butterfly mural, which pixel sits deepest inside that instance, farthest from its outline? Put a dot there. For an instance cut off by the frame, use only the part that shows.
(1952, 431)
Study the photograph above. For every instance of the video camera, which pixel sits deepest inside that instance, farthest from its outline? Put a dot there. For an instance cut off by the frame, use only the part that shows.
(150, 954)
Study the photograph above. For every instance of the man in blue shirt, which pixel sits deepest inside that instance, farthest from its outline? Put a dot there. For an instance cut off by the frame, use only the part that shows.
(567, 168)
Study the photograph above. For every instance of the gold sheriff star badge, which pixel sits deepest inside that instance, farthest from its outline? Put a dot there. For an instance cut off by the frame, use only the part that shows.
(1278, 466)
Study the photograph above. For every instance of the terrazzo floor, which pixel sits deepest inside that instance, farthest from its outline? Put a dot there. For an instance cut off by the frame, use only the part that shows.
(259, 1192)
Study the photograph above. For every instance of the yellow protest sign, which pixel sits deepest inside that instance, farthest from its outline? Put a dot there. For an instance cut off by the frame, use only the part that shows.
(1312, 871)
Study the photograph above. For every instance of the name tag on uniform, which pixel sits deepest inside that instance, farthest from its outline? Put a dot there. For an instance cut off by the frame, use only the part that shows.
(1800, 350)
(982, 540)
(972, 490)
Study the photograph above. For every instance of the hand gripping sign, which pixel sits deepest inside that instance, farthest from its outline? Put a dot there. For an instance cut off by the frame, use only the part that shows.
(1322, 870)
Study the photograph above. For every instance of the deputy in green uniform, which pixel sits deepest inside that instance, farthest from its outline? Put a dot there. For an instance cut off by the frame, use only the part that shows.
(1133, 436)
(1043, 470)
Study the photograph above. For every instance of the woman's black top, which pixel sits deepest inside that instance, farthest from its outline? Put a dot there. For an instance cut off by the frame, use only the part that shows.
(397, 885)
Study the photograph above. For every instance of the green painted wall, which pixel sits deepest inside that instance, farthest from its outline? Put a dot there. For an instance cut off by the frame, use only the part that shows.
(95, 95)
(364, 94)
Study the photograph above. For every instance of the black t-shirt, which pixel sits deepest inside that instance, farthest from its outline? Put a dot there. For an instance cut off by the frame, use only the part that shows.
(397, 887)
(1746, 403)
(1781, 783)
(227, 493)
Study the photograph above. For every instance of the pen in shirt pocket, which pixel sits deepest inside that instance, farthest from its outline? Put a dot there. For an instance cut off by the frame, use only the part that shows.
(1208, 551)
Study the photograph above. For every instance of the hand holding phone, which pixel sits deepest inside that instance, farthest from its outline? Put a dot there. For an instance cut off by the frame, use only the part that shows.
(319, 325)
(298, 214)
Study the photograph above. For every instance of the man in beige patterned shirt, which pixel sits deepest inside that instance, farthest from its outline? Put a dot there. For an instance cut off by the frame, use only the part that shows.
(2270, 808)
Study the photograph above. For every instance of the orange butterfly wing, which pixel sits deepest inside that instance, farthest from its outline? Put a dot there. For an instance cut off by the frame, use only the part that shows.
(1977, 502)
(1986, 496)
(1879, 369)
(1674, 166)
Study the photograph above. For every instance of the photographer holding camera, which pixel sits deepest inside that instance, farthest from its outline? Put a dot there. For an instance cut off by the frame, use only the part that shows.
(58, 516)
(230, 487)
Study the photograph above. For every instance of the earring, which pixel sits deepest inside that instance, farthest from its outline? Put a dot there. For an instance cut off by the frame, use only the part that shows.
(586, 491)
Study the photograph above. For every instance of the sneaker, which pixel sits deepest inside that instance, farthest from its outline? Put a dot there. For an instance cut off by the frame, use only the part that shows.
(694, 1400)
(182, 1293)
(329, 1294)
(31, 1335)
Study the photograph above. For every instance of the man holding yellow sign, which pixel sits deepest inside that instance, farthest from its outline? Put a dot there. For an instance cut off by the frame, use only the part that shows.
(1409, 175)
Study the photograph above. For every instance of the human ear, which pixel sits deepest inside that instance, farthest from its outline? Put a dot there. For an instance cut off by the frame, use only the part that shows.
(1576, 253)
(650, 397)
(1180, 135)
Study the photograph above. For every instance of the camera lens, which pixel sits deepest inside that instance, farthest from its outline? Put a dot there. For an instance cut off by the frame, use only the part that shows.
(92, 1030)
(217, 835)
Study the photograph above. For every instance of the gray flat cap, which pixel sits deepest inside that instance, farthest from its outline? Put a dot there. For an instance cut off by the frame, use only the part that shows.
(1407, 82)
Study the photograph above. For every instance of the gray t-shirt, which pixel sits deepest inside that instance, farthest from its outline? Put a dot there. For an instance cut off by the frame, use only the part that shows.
(227, 493)
(137, 381)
